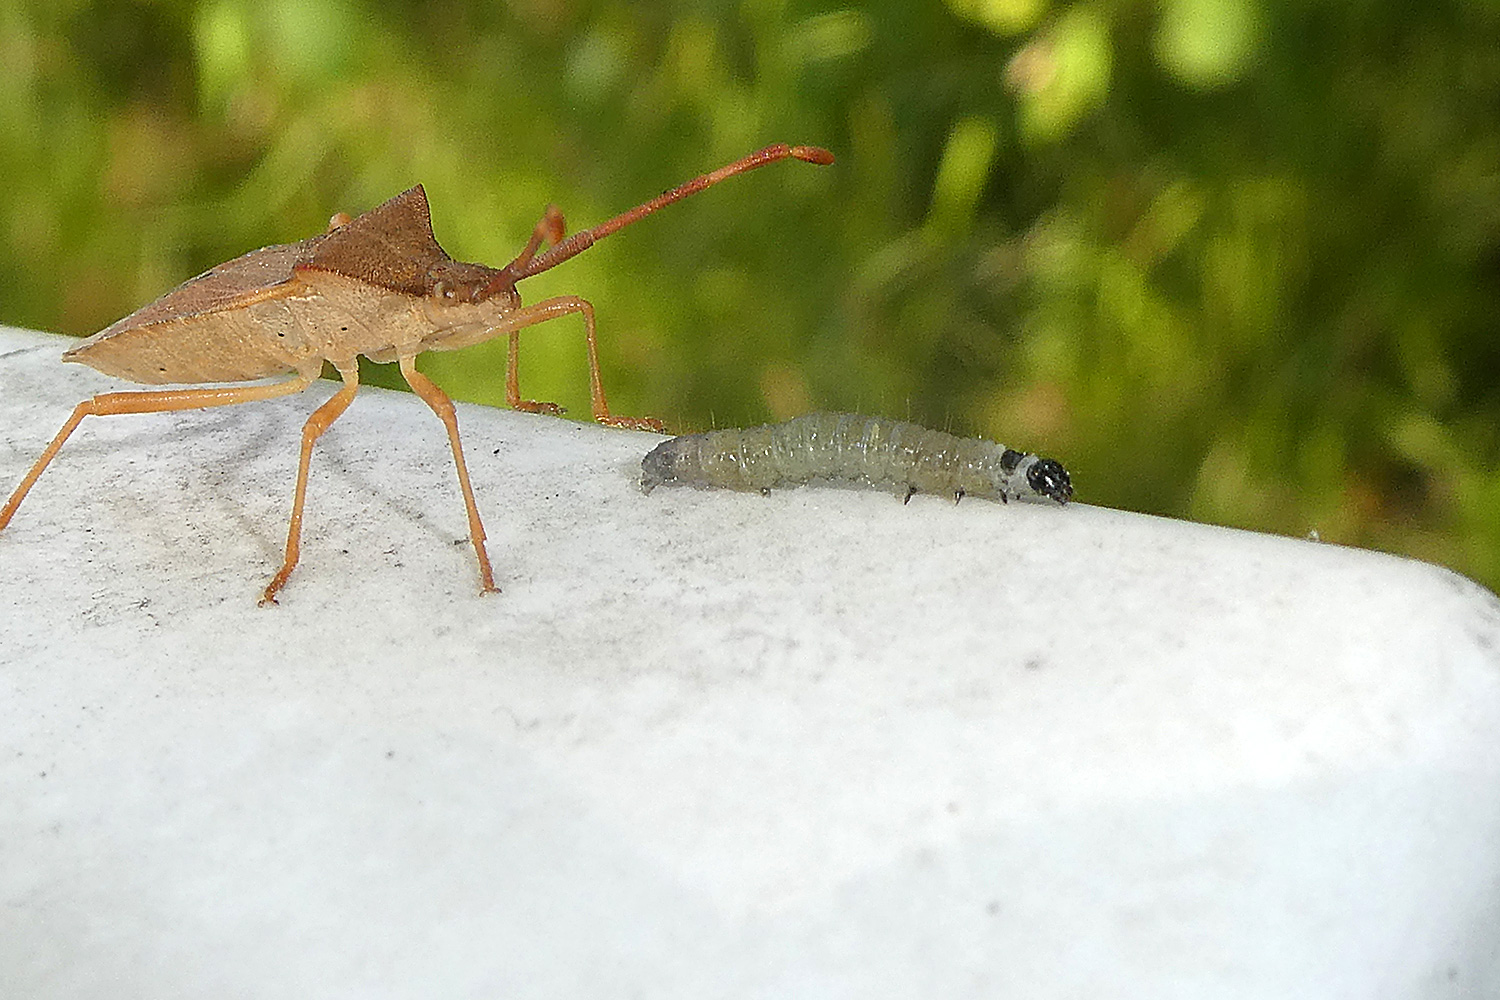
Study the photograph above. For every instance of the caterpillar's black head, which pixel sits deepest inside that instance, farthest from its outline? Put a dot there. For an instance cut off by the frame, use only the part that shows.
(1049, 478)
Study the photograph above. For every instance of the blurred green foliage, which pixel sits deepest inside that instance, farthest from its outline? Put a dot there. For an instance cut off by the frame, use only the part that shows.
(1234, 260)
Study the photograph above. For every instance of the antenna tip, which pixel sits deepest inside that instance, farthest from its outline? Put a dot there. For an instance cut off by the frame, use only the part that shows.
(812, 154)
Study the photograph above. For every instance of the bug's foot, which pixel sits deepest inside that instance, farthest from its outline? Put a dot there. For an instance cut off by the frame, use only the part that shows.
(268, 597)
(486, 577)
(633, 423)
(532, 406)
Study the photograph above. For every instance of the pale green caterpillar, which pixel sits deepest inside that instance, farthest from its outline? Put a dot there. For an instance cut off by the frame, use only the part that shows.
(873, 451)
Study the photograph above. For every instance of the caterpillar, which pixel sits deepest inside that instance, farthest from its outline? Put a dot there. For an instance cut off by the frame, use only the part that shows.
(847, 447)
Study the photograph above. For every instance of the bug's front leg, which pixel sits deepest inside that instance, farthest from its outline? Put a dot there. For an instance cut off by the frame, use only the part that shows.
(513, 384)
(549, 230)
(563, 305)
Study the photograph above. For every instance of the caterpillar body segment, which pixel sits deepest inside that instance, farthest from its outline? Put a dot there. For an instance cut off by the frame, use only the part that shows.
(846, 447)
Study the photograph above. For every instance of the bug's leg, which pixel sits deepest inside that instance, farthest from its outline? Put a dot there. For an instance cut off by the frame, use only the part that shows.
(563, 305)
(443, 407)
(316, 424)
(958, 496)
(147, 401)
(549, 230)
(513, 383)
(911, 491)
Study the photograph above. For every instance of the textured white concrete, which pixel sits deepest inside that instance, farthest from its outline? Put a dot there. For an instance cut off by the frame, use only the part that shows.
(705, 744)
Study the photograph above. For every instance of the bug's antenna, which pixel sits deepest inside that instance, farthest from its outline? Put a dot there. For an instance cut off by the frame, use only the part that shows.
(526, 265)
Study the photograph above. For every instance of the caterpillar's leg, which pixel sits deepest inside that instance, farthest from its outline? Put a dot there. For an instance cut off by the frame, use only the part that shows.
(443, 407)
(148, 401)
(562, 305)
(549, 230)
(316, 424)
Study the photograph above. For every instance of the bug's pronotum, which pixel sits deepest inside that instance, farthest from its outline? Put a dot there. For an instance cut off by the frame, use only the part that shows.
(847, 447)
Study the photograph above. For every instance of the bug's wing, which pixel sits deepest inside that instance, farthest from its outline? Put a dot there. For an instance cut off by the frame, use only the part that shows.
(181, 337)
(391, 246)
(226, 286)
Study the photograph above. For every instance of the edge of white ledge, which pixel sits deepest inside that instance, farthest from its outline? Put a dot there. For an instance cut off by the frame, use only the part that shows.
(816, 744)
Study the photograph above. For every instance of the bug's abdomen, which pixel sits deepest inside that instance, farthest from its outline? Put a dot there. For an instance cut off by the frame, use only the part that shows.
(846, 447)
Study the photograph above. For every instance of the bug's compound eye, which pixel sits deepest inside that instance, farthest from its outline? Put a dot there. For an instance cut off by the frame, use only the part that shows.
(1049, 478)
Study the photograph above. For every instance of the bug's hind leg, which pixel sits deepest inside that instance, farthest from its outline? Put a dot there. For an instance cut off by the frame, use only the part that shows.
(147, 401)
(316, 424)
(443, 407)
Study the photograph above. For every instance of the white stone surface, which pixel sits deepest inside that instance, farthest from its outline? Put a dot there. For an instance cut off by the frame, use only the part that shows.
(705, 744)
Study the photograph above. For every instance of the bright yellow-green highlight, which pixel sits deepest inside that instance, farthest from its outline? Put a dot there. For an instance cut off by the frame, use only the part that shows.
(965, 166)
(1063, 75)
(1208, 43)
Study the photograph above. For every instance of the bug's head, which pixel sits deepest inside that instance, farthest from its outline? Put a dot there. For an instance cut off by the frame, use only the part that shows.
(454, 282)
(1050, 479)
